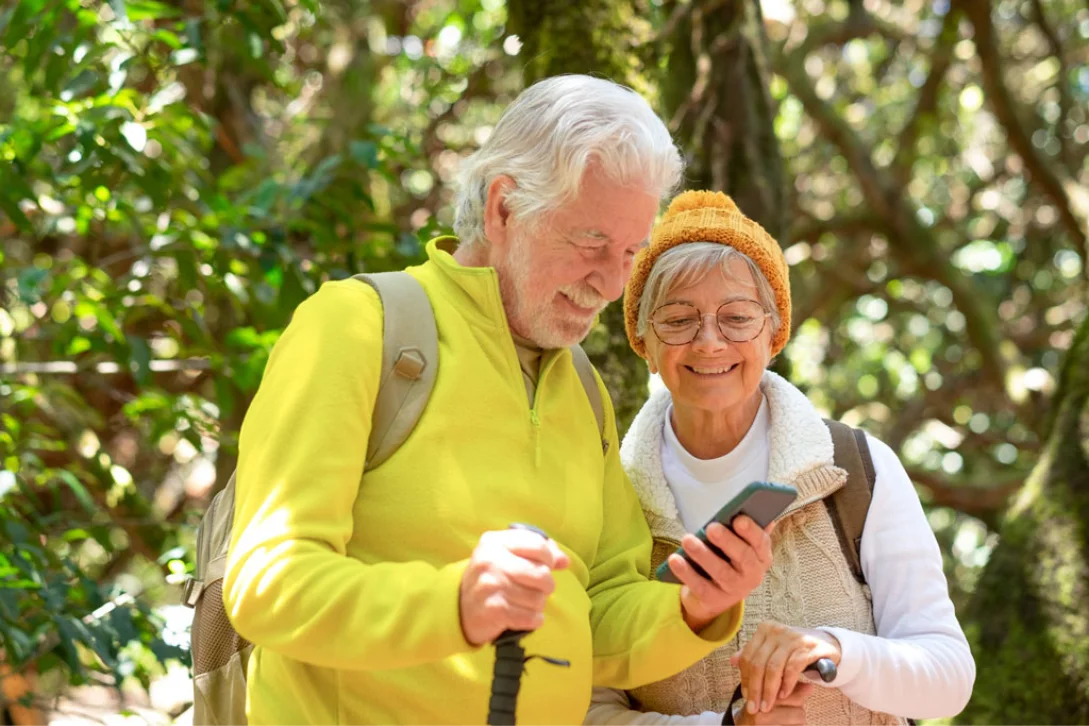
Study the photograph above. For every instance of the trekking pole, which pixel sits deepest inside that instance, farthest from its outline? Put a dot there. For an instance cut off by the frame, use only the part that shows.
(510, 664)
(823, 667)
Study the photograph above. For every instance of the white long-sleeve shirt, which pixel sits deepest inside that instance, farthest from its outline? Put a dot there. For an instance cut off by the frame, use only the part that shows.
(919, 664)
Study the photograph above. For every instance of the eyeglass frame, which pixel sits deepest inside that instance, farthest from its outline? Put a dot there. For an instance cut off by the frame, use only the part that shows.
(703, 315)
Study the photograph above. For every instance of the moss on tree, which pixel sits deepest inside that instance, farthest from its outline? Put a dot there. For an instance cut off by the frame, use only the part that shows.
(608, 38)
(1029, 619)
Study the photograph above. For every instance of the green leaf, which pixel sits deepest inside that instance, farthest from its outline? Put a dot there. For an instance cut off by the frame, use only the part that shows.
(21, 644)
(15, 531)
(147, 403)
(60, 131)
(77, 345)
(29, 282)
(23, 584)
(14, 213)
(245, 338)
(79, 85)
(82, 495)
(106, 319)
(150, 10)
(169, 38)
(139, 358)
(225, 396)
(365, 153)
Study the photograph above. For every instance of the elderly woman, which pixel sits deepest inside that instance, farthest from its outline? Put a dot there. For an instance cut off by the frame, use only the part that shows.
(708, 306)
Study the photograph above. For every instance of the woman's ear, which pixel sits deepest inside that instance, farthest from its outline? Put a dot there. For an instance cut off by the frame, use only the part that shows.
(652, 356)
(497, 217)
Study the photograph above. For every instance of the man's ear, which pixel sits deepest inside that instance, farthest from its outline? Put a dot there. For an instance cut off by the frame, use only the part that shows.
(496, 212)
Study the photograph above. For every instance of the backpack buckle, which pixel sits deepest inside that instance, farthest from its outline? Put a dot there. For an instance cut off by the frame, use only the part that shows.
(191, 591)
(410, 364)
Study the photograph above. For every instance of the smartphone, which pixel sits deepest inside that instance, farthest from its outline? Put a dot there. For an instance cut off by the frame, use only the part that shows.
(760, 501)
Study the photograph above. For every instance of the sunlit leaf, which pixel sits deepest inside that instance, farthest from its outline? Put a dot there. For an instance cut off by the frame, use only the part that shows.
(149, 10)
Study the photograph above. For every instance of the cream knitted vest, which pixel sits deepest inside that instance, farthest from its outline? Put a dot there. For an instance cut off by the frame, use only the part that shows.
(810, 583)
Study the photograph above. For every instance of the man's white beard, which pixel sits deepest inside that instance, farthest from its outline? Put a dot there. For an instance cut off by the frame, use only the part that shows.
(541, 325)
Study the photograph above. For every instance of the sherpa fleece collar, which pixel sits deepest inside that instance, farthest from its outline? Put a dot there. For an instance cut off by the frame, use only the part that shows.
(801, 451)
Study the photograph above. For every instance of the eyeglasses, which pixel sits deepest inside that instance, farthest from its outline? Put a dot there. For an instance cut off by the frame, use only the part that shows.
(739, 321)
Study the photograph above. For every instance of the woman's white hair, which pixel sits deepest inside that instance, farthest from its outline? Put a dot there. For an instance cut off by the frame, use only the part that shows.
(548, 137)
(687, 264)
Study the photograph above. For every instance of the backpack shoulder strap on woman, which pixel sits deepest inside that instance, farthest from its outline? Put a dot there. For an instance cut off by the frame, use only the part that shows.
(849, 505)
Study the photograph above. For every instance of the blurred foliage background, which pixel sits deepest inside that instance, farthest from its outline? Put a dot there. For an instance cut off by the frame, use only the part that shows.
(175, 177)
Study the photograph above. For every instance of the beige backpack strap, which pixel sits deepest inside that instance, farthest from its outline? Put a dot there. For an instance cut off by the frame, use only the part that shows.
(585, 370)
(850, 504)
(213, 538)
(410, 361)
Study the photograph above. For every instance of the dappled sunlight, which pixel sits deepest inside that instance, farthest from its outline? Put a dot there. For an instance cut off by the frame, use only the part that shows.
(178, 178)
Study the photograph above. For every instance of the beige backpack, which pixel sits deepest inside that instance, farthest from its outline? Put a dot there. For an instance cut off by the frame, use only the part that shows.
(409, 364)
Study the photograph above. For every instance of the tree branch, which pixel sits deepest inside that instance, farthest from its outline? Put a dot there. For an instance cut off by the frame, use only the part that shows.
(1042, 171)
(914, 244)
(477, 84)
(810, 229)
(941, 57)
(857, 25)
(982, 502)
(1065, 100)
(844, 279)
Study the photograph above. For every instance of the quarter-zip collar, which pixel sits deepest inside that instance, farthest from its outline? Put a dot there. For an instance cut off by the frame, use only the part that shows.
(473, 291)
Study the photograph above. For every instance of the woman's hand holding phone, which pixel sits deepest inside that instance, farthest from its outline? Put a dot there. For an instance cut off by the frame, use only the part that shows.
(729, 581)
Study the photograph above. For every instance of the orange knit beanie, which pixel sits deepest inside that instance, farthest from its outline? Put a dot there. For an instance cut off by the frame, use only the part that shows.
(701, 216)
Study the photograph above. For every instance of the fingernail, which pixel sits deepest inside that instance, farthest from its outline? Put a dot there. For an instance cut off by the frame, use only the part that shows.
(751, 706)
(765, 706)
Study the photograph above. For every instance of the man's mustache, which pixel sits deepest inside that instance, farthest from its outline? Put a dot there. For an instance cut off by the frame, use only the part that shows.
(585, 297)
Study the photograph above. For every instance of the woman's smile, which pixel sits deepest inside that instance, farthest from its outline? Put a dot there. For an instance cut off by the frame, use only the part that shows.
(712, 371)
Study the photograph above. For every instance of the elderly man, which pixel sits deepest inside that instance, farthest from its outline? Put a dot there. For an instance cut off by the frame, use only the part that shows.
(371, 597)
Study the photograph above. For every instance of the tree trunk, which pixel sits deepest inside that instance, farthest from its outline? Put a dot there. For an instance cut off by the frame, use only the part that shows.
(597, 37)
(715, 90)
(717, 99)
(716, 96)
(1029, 618)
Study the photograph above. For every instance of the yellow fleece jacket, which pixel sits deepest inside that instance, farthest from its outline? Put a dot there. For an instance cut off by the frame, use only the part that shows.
(348, 584)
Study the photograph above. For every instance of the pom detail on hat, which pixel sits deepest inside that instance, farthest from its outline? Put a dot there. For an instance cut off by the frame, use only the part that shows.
(699, 199)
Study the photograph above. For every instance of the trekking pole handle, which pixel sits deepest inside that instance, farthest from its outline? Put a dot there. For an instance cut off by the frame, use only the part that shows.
(508, 635)
(823, 667)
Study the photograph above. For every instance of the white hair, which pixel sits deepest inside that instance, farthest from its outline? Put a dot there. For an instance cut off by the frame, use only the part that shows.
(548, 137)
(688, 263)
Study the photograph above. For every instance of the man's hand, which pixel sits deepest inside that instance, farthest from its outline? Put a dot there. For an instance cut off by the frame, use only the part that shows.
(507, 583)
(772, 662)
(749, 550)
(789, 710)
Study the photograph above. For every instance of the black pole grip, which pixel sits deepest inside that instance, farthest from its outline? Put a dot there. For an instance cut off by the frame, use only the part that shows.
(510, 664)
(824, 668)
